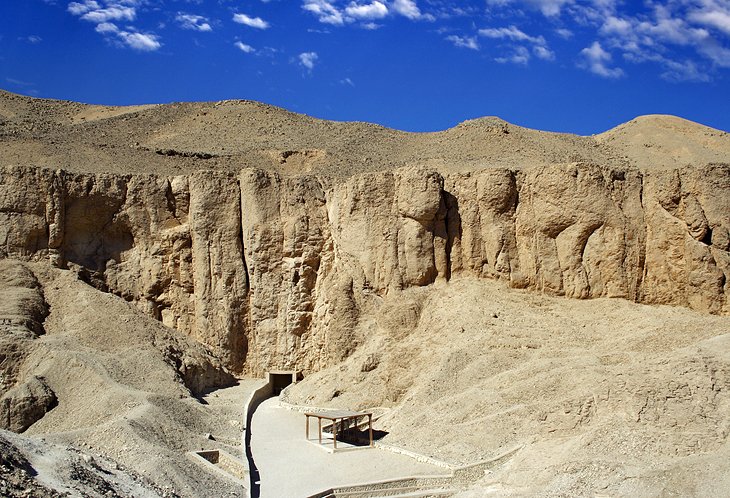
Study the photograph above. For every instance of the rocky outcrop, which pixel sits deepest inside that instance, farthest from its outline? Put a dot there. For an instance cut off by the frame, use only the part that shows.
(23, 309)
(25, 404)
(274, 272)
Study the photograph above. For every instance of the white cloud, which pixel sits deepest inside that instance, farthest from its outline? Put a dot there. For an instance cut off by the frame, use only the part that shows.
(347, 81)
(140, 41)
(193, 22)
(464, 41)
(371, 26)
(683, 71)
(325, 11)
(548, 8)
(520, 56)
(112, 13)
(103, 12)
(616, 26)
(253, 22)
(718, 54)
(106, 28)
(671, 30)
(328, 11)
(675, 71)
(543, 53)
(717, 19)
(77, 8)
(244, 48)
(143, 42)
(595, 60)
(407, 8)
(648, 37)
(373, 10)
(308, 59)
(511, 33)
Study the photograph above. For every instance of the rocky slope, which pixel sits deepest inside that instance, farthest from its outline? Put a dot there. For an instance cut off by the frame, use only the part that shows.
(277, 241)
(38, 469)
(600, 396)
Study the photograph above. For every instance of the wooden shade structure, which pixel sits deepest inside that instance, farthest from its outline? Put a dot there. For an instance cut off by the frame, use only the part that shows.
(339, 416)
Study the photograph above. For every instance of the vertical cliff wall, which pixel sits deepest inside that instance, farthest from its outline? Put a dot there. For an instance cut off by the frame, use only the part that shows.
(274, 272)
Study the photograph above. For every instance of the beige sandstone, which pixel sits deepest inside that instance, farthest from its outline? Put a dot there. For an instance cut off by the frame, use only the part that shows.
(277, 241)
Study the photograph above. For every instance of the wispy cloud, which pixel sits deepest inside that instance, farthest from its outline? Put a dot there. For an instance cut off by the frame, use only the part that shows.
(674, 71)
(597, 60)
(140, 41)
(713, 16)
(650, 37)
(464, 41)
(80, 8)
(368, 11)
(332, 12)
(106, 13)
(193, 22)
(252, 22)
(25, 87)
(325, 11)
(308, 59)
(34, 39)
(93, 11)
(687, 40)
(371, 26)
(650, 32)
(516, 39)
(144, 42)
(519, 55)
(410, 9)
(510, 33)
(248, 49)
(544, 53)
(548, 8)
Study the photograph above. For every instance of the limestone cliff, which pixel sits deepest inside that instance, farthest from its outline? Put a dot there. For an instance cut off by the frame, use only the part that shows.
(274, 271)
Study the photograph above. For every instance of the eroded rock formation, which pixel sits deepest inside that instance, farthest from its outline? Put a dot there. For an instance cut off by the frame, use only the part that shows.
(272, 271)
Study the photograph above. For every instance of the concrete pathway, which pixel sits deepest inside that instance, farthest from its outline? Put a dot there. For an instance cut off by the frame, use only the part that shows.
(291, 467)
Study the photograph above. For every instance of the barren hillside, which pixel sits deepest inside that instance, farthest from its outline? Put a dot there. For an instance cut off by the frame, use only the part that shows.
(231, 135)
(488, 286)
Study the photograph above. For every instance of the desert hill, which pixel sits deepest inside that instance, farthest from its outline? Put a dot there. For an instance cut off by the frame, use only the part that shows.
(230, 135)
(488, 287)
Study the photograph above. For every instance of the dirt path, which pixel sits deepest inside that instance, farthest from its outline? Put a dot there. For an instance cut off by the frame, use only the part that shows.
(291, 466)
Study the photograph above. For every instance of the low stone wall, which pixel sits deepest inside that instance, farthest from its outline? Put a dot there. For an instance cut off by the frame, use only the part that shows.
(458, 477)
(254, 400)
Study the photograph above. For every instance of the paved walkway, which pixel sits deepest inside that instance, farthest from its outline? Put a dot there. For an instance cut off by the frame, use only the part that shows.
(291, 467)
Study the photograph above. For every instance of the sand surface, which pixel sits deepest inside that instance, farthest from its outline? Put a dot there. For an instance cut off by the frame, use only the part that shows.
(289, 465)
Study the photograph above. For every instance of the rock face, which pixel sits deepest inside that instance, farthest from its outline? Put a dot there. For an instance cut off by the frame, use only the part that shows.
(25, 404)
(274, 272)
(23, 309)
(34, 365)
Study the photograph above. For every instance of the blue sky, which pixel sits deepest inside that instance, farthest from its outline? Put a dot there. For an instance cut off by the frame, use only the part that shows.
(417, 65)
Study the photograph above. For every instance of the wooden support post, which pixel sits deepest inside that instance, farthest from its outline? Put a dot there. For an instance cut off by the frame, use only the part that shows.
(334, 433)
(370, 429)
